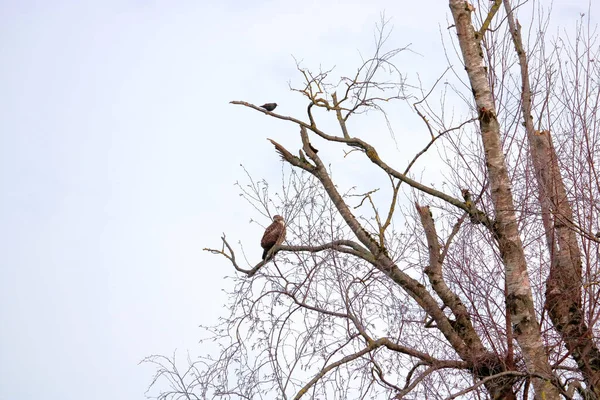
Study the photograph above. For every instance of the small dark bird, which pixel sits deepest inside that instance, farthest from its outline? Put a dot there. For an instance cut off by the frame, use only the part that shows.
(269, 106)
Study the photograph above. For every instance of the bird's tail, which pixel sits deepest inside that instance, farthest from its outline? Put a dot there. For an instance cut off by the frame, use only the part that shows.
(265, 252)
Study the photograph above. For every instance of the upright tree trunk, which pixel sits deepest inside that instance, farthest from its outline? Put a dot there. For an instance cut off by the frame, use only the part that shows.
(563, 287)
(519, 299)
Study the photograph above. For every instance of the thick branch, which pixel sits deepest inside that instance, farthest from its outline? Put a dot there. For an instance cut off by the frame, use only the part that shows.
(374, 157)
(373, 345)
(484, 363)
(489, 378)
(343, 246)
(519, 297)
(563, 287)
(489, 18)
(463, 323)
(338, 114)
(383, 261)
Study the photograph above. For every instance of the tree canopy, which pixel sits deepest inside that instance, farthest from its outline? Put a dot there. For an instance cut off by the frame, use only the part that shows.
(482, 284)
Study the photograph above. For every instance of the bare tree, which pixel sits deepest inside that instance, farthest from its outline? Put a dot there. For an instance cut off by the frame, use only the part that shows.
(372, 297)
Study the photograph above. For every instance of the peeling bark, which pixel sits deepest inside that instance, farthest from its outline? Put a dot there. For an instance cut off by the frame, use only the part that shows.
(460, 334)
(563, 287)
(485, 363)
(378, 256)
(519, 297)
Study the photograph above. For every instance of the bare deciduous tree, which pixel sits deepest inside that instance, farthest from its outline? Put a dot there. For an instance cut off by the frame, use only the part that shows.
(495, 298)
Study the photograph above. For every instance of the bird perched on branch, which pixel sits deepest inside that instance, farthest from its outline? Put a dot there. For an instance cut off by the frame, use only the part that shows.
(269, 106)
(274, 235)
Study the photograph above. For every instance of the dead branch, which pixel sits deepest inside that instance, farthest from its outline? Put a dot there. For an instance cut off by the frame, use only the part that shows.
(371, 154)
(343, 246)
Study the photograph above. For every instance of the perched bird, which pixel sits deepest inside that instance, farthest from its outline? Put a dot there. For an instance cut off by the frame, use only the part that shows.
(269, 106)
(274, 235)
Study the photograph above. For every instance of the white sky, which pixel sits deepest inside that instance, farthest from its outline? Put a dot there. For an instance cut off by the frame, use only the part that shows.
(118, 155)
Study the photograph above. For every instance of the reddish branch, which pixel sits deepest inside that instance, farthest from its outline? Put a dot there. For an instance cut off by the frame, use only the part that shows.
(461, 336)
(371, 153)
(378, 257)
(485, 363)
(519, 297)
(563, 287)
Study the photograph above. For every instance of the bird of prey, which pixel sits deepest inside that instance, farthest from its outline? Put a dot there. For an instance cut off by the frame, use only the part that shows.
(269, 106)
(274, 235)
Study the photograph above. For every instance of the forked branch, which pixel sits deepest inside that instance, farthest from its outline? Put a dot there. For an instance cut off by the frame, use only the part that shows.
(343, 246)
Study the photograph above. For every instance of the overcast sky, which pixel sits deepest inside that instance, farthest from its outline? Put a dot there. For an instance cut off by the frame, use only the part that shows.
(118, 158)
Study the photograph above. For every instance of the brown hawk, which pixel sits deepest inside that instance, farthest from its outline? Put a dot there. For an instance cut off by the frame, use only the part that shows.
(274, 235)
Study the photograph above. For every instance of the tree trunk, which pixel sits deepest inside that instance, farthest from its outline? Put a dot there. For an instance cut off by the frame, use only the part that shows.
(563, 287)
(519, 298)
